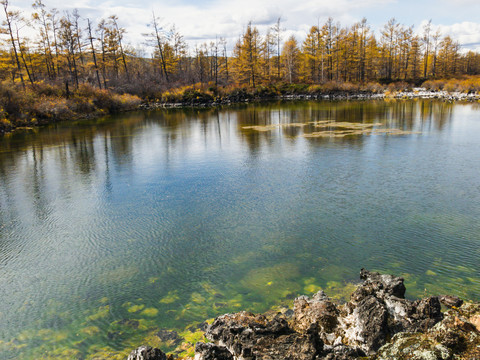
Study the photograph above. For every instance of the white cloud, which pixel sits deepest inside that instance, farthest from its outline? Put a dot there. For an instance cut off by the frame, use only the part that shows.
(467, 33)
(200, 21)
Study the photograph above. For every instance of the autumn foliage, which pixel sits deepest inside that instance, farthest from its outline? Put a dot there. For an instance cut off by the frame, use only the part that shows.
(73, 66)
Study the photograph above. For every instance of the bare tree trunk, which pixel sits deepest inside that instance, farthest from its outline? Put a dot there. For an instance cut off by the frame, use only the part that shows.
(114, 20)
(159, 45)
(226, 59)
(76, 16)
(14, 46)
(22, 55)
(54, 29)
(93, 54)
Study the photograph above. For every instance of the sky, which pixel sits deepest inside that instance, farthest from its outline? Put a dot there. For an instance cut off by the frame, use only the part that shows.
(206, 20)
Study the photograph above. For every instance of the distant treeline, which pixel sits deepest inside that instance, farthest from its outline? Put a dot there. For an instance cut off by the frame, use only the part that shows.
(69, 47)
(69, 51)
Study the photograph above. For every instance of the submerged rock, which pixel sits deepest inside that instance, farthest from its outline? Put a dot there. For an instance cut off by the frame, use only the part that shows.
(168, 336)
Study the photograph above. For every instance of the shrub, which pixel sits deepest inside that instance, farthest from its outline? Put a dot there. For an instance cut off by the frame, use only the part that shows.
(266, 91)
(52, 108)
(435, 85)
(11, 99)
(466, 85)
(238, 94)
(399, 86)
(373, 87)
(123, 102)
(111, 102)
(292, 89)
(42, 88)
(192, 96)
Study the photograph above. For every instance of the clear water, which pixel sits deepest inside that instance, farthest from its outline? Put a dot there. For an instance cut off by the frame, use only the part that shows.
(113, 229)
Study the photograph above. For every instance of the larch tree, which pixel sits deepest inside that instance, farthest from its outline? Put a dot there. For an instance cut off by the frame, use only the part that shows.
(41, 18)
(118, 31)
(290, 59)
(277, 39)
(94, 55)
(247, 54)
(427, 29)
(11, 18)
(158, 39)
(389, 47)
(310, 55)
(329, 31)
(101, 30)
(69, 45)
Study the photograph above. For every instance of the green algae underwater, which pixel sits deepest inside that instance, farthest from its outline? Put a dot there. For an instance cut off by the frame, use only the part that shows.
(140, 228)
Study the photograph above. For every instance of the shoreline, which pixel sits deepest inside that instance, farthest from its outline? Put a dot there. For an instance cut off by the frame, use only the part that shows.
(378, 323)
(416, 93)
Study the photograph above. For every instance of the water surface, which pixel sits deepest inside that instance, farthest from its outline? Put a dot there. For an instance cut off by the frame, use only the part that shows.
(113, 229)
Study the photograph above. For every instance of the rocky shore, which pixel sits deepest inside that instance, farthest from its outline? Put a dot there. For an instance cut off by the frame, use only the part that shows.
(242, 98)
(415, 93)
(377, 323)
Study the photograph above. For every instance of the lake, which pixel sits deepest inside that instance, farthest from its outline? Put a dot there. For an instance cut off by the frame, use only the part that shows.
(114, 229)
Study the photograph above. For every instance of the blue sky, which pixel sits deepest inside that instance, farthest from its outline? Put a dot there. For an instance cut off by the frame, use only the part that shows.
(204, 20)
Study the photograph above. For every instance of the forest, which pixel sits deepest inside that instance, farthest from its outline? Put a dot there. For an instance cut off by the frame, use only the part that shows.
(72, 66)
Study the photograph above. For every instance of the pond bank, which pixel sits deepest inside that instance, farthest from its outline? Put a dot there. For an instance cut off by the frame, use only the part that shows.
(377, 323)
(416, 93)
(242, 98)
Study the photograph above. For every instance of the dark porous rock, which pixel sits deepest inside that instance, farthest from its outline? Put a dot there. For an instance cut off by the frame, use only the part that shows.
(453, 337)
(453, 340)
(378, 310)
(319, 309)
(248, 336)
(382, 285)
(450, 301)
(147, 353)
(427, 313)
(203, 326)
(377, 322)
(342, 352)
(371, 322)
(211, 352)
(413, 346)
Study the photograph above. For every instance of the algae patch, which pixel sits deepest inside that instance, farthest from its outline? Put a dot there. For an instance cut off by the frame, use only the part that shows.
(333, 129)
(348, 125)
(343, 133)
(171, 297)
(263, 128)
(151, 312)
(90, 330)
(102, 312)
(135, 308)
(333, 133)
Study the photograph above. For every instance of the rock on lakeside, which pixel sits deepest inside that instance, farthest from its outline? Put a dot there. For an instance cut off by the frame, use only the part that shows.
(377, 323)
